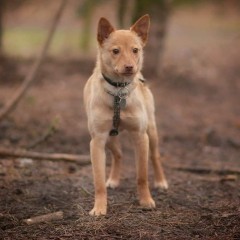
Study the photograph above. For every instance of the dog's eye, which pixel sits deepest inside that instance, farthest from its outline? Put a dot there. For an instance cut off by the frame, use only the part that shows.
(115, 51)
(135, 50)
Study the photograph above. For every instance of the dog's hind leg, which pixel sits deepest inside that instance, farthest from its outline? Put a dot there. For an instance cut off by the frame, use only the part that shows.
(160, 180)
(116, 157)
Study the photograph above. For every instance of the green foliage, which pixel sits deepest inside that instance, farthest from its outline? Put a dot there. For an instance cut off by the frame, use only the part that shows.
(27, 41)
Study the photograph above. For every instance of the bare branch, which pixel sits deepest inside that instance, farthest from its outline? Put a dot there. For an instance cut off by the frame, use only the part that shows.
(206, 170)
(31, 77)
(21, 153)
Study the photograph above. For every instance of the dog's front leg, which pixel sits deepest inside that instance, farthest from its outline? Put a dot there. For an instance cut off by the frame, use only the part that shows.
(98, 159)
(141, 150)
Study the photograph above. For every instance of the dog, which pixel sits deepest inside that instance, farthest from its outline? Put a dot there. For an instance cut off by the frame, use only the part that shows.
(116, 98)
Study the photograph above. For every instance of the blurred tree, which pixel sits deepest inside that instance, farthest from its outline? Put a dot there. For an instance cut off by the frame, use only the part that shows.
(159, 11)
(85, 11)
(122, 12)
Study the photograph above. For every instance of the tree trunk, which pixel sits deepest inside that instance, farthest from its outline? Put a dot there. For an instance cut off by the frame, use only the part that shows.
(122, 7)
(124, 13)
(159, 11)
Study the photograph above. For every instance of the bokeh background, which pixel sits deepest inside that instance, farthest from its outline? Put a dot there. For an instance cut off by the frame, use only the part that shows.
(192, 65)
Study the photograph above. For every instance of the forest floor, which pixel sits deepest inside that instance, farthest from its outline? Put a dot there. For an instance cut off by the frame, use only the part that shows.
(198, 117)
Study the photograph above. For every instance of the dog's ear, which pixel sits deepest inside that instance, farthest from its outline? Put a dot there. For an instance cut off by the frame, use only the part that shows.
(141, 27)
(104, 30)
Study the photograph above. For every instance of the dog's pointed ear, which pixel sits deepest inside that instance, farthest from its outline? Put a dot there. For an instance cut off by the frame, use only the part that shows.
(104, 30)
(141, 27)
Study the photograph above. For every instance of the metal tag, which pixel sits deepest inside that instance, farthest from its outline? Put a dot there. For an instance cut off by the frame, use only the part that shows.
(123, 93)
(123, 103)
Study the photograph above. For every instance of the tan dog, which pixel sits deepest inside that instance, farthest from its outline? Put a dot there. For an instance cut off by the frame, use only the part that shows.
(116, 98)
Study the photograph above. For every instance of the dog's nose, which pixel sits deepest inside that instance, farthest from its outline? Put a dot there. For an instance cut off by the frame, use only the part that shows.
(128, 68)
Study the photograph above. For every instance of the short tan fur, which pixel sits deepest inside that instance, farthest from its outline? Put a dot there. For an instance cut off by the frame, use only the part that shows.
(120, 58)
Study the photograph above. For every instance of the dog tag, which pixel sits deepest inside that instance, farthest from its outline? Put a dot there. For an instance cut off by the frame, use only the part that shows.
(123, 93)
(123, 103)
(113, 132)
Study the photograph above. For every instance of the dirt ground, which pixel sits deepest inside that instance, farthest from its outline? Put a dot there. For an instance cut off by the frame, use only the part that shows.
(198, 116)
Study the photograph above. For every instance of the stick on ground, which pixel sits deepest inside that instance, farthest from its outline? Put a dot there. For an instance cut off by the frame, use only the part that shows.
(21, 153)
(206, 170)
(44, 218)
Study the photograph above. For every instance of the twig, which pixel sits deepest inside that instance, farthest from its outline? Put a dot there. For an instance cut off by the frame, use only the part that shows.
(44, 218)
(48, 133)
(31, 77)
(205, 170)
(86, 192)
(21, 153)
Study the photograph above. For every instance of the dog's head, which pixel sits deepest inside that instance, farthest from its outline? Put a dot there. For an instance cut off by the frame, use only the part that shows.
(121, 51)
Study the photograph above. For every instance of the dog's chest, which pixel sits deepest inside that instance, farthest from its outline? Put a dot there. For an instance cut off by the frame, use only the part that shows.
(131, 118)
(133, 123)
(132, 115)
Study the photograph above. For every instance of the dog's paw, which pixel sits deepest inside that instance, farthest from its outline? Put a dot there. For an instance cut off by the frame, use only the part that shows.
(161, 185)
(98, 211)
(147, 203)
(112, 183)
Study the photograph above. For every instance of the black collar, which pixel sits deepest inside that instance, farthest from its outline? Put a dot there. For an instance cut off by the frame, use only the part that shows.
(115, 84)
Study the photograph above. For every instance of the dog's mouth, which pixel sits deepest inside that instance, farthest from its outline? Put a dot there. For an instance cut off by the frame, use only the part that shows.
(127, 74)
